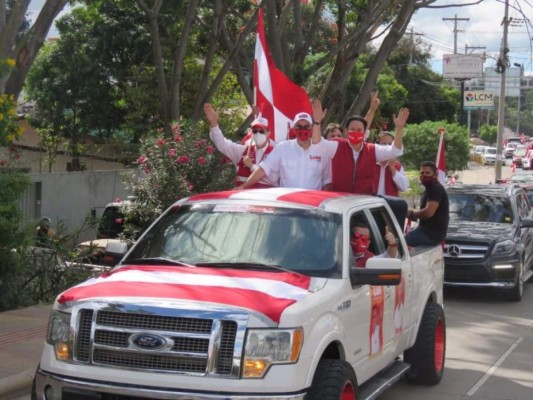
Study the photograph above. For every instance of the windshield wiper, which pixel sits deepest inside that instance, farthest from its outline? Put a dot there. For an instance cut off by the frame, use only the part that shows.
(245, 265)
(155, 261)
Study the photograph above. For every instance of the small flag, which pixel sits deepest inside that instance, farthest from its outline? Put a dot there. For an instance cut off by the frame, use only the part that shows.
(441, 158)
(276, 96)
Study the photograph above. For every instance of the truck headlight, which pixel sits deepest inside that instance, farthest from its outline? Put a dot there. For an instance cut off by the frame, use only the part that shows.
(265, 347)
(504, 248)
(59, 335)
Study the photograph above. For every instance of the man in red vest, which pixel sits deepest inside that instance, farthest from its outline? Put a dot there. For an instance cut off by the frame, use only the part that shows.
(390, 174)
(245, 156)
(353, 161)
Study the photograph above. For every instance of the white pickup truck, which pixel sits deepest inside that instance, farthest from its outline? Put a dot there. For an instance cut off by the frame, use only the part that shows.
(251, 295)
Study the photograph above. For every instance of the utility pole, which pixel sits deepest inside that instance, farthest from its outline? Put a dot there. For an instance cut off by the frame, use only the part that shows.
(455, 30)
(412, 45)
(503, 63)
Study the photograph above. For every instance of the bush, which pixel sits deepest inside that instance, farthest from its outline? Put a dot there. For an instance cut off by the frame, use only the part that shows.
(170, 168)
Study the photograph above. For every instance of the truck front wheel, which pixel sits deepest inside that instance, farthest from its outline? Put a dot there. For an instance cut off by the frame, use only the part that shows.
(334, 380)
(427, 355)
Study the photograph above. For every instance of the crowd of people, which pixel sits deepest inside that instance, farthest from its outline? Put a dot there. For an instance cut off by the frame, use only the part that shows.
(339, 159)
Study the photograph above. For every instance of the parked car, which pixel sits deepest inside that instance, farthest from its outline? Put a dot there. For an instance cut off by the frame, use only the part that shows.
(508, 152)
(518, 140)
(477, 152)
(490, 238)
(521, 177)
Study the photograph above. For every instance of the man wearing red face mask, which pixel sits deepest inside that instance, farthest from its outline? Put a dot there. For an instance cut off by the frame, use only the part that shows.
(299, 163)
(245, 157)
(433, 214)
(360, 241)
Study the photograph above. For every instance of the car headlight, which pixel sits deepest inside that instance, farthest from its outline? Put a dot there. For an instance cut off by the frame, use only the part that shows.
(266, 347)
(59, 335)
(504, 248)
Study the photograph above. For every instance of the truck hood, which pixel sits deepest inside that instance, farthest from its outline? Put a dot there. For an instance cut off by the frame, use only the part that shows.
(479, 230)
(266, 292)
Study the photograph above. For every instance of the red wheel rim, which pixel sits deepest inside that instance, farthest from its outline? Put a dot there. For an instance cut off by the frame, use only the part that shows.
(439, 345)
(348, 392)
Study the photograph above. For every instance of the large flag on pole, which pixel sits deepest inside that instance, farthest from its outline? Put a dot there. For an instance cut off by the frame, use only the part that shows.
(277, 98)
(441, 158)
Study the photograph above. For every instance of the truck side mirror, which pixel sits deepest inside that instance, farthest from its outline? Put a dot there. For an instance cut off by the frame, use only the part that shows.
(114, 251)
(378, 271)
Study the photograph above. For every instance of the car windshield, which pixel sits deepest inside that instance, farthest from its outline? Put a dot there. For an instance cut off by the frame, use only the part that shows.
(480, 208)
(229, 235)
(520, 152)
(490, 151)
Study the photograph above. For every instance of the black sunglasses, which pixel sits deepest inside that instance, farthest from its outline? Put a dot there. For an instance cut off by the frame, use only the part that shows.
(302, 127)
(258, 131)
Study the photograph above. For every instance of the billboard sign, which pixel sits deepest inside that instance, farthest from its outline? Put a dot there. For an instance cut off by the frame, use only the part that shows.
(462, 66)
(478, 100)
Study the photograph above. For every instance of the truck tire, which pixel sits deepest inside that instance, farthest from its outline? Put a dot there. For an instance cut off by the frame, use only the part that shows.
(427, 355)
(334, 380)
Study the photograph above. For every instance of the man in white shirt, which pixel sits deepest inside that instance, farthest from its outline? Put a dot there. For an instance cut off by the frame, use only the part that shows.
(391, 175)
(245, 157)
(299, 163)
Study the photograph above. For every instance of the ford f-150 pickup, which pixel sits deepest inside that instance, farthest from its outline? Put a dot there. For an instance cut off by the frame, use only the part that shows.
(251, 295)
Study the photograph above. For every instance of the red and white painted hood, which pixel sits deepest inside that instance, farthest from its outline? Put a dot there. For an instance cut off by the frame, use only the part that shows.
(265, 292)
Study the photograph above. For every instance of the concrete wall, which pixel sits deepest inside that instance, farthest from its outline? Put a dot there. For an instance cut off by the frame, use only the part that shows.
(69, 196)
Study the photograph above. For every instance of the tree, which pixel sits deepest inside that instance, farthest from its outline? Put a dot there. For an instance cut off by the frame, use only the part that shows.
(23, 46)
(421, 143)
(488, 133)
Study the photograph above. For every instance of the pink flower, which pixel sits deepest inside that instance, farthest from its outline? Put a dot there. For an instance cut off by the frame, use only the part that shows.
(172, 153)
(210, 149)
(147, 169)
(200, 143)
(141, 160)
(161, 142)
(201, 160)
(178, 138)
(175, 129)
(183, 159)
(118, 200)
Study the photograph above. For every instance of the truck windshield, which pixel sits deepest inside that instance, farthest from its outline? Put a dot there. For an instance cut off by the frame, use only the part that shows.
(304, 241)
(480, 208)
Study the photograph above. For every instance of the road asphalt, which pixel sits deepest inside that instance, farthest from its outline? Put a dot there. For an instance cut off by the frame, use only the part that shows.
(23, 331)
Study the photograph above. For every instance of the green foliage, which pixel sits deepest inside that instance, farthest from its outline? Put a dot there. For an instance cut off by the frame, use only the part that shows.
(171, 168)
(488, 133)
(12, 237)
(421, 144)
(9, 129)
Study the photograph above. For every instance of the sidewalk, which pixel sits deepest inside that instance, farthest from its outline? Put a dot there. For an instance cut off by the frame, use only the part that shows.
(22, 335)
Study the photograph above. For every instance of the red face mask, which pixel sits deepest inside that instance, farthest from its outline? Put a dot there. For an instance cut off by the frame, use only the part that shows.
(303, 134)
(359, 243)
(427, 180)
(355, 137)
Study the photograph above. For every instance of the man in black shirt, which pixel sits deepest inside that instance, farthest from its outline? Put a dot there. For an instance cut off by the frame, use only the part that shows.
(433, 214)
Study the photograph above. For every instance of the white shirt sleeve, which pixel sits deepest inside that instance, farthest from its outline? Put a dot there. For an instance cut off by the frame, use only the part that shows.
(328, 147)
(387, 152)
(271, 164)
(401, 181)
(232, 150)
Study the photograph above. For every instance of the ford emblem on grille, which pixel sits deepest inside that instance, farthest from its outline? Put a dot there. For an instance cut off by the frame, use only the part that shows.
(454, 251)
(148, 341)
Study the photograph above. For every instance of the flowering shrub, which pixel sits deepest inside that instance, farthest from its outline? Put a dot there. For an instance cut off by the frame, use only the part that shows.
(170, 168)
(9, 129)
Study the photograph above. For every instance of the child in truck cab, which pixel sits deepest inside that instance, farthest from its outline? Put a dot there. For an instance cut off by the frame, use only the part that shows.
(361, 242)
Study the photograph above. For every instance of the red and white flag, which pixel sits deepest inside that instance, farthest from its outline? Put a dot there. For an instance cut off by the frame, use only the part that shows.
(276, 96)
(441, 158)
(265, 292)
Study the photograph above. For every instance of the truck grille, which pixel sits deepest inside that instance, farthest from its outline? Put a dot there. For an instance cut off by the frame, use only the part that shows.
(184, 345)
(463, 251)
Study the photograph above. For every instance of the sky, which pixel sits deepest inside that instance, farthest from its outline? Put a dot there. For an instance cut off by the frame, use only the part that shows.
(478, 26)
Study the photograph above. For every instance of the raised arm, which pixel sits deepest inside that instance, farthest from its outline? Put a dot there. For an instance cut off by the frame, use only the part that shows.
(318, 116)
(374, 105)
(399, 123)
(211, 115)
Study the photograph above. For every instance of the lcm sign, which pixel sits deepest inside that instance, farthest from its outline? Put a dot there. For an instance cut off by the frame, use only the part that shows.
(478, 100)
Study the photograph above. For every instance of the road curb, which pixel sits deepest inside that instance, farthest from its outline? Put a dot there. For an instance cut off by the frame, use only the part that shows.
(16, 385)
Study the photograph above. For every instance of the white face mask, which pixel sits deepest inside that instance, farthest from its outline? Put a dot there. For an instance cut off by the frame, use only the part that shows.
(260, 139)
